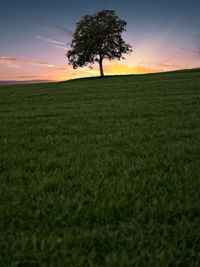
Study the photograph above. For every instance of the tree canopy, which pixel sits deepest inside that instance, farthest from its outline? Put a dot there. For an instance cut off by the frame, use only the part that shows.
(97, 37)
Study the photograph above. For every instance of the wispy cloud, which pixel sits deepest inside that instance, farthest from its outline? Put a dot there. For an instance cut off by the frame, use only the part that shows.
(166, 64)
(13, 62)
(48, 40)
(45, 64)
(191, 52)
(198, 45)
(194, 51)
(27, 77)
(62, 47)
(9, 58)
(60, 30)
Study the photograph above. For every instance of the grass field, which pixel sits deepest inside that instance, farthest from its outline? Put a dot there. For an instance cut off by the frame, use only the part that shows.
(101, 172)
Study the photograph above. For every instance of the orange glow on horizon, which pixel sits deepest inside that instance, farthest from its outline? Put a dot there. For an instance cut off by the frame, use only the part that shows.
(68, 73)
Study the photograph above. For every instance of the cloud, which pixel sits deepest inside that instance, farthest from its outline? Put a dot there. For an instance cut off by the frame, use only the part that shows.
(48, 40)
(58, 44)
(57, 29)
(13, 62)
(166, 64)
(45, 64)
(198, 45)
(62, 47)
(191, 52)
(27, 77)
(195, 51)
(9, 58)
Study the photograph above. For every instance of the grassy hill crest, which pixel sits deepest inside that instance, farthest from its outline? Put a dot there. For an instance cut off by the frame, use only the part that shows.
(101, 172)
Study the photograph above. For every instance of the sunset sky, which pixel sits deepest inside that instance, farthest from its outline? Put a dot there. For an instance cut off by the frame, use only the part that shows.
(34, 37)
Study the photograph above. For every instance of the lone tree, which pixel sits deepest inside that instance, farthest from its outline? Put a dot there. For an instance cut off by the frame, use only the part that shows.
(97, 37)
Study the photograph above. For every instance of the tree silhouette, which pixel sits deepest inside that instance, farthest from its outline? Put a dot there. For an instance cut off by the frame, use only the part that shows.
(98, 37)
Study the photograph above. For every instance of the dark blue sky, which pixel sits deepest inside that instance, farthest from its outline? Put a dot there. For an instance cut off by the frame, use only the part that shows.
(23, 24)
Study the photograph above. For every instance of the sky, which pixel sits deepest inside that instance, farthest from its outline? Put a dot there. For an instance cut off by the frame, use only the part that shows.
(35, 36)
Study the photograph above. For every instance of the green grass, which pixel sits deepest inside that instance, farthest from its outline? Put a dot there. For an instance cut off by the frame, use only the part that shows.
(101, 172)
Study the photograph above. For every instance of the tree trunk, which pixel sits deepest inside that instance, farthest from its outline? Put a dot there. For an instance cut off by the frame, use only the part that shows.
(101, 67)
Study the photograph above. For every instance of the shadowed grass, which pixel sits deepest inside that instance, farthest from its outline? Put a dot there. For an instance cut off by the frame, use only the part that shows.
(101, 172)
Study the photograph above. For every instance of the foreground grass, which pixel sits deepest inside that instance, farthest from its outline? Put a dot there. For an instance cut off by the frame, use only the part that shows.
(101, 172)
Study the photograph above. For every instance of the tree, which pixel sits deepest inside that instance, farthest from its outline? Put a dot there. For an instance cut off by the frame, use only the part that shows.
(98, 37)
